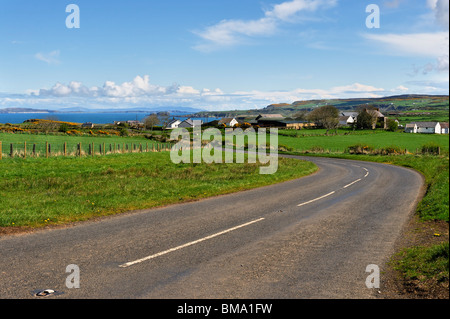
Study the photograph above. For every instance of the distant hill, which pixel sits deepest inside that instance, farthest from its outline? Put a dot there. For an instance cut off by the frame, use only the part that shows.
(23, 110)
(171, 109)
(397, 103)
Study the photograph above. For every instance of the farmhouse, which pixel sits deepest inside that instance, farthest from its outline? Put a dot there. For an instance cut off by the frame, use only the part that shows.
(424, 127)
(411, 128)
(173, 124)
(347, 118)
(444, 128)
(87, 125)
(381, 120)
(189, 123)
(228, 121)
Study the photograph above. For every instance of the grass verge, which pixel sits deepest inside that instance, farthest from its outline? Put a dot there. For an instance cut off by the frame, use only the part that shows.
(36, 192)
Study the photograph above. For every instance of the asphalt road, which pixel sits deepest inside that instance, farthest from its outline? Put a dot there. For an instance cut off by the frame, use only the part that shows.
(308, 238)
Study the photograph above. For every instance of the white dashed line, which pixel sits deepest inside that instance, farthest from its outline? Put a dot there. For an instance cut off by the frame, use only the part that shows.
(313, 200)
(352, 183)
(131, 263)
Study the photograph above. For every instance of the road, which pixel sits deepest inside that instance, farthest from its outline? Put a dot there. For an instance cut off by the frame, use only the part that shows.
(308, 238)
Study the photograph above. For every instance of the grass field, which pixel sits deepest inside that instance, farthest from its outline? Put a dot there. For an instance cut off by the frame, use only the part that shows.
(305, 140)
(39, 191)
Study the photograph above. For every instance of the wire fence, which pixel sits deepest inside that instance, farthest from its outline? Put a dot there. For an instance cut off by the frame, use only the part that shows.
(46, 149)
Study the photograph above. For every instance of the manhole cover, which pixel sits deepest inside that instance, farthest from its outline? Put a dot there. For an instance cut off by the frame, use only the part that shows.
(45, 293)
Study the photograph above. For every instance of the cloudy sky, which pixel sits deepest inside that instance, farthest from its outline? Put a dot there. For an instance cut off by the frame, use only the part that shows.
(218, 54)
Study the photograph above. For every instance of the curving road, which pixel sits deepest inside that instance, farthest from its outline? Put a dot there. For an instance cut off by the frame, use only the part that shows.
(308, 238)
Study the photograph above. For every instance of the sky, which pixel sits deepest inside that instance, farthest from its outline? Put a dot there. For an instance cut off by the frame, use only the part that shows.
(218, 54)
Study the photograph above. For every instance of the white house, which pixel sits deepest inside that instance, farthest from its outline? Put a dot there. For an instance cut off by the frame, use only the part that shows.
(173, 124)
(228, 121)
(424, 127)
(428, 127)
(346, 120)
(444, 128)
(411, 128)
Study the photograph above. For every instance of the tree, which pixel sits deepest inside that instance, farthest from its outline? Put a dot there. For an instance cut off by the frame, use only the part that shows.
(325, 116)
(151, 121)
(392, 125)
(367, 118)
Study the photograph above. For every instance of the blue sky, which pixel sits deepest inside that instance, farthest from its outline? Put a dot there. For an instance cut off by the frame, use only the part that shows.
(218, 55)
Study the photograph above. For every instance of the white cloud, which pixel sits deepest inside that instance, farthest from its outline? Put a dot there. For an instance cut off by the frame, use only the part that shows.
(441, 12)
(428, 44)
(141, 93)
(231, 32)
(287, 11)
(49, 58)
(414, 44)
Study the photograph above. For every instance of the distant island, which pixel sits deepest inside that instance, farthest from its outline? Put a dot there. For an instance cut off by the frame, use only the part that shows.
(23, 110)
(149, 110)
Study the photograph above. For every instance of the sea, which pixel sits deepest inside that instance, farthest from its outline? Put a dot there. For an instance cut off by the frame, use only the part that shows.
(96, 118)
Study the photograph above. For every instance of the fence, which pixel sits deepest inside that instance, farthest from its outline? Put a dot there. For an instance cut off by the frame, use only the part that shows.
(46, 149)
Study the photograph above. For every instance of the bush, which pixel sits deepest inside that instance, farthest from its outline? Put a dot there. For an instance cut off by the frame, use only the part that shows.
(390, 150)
(430, 148)
(359, 149)
(284, 148)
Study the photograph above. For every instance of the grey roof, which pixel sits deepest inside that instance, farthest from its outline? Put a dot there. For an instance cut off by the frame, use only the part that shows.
(173, 121)
(425, 124)
(226, 120)
(347, 114)
(270, 116)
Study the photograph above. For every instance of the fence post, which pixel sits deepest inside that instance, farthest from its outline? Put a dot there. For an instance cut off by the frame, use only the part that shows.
(25, 149)
(146, 147)
(104, 149)
(46, 149)
(34, 149)
(11, 151)
(49, 149)
(79, 147)
(65, 149)
(1, 150)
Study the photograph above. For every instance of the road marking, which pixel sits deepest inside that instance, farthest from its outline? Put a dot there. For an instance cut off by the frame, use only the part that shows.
(313, 200)
(367, 174)
(128, 264)
(352, 183)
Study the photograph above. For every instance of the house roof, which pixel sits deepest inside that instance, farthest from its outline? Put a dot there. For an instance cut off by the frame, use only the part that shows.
(226, 120)
(426, 124)
(347, 114)
(173, 121)
(269, 116)
(410, 125)
(444, 125)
